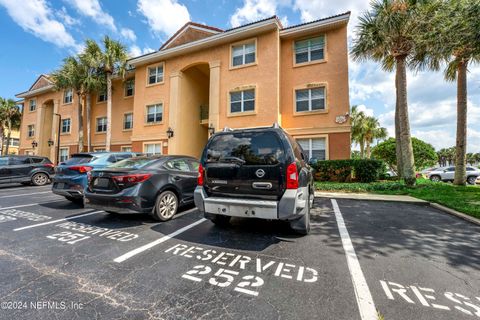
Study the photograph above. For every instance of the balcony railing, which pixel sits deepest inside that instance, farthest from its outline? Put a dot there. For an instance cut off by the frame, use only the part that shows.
(203, 113)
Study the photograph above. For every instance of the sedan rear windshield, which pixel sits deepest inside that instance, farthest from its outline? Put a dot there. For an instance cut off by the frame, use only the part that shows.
(79, 159)
(133, 163)
(248, 148)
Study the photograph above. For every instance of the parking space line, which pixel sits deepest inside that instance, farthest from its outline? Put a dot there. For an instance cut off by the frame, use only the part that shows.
(183, 213)
(362, 292)
(24, 194)
(134, 252)
(58, 220)
(30, 204)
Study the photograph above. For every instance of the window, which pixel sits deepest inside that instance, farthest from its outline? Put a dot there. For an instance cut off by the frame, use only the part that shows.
(310, 99)
(242, 101)
(102, 96)
(19, 161)
(243, 54)
(154, 113)
(155, 74)
(68, 96)
(314, 148)
(32, 105)
(129, 88)
(310, 50)
(102, 124)
(152, 148)
(63, 154)
(14, 142)
(66, 125)
(37, 160)
(127, 121)
(31, 130)
(126, 149)
(99, 149)
(178, 164)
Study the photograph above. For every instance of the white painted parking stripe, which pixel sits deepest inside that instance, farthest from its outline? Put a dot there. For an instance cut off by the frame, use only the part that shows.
(30, 204)
(58, 220)
(134, 252)
(183, 213)
(25, 194)
(362, 292)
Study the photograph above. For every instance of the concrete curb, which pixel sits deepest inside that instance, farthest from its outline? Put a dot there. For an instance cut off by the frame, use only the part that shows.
(456, 213)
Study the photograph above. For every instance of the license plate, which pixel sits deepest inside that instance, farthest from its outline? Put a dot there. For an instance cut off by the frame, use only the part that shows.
(60, 185)
(101, 182)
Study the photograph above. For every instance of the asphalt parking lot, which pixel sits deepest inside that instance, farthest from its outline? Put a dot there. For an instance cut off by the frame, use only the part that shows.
(362, 260)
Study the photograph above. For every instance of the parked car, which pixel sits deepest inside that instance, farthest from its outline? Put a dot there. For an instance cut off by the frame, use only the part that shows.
(155, 185)
(26, 170)
(255, 173)
(478, 180)
(71, 176)
(448, 174)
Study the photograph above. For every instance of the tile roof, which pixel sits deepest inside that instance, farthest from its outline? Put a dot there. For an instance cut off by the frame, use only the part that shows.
(318, 20)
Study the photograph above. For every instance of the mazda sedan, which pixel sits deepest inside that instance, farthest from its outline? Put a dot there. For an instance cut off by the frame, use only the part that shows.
(156, 185)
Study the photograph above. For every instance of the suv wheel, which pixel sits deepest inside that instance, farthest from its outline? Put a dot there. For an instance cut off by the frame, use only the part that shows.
(471, 180)
(302, 225)
(39, 179)
(435, 178)
(166, 206)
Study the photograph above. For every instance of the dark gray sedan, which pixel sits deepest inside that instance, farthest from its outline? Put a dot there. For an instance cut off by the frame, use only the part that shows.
(155, 185)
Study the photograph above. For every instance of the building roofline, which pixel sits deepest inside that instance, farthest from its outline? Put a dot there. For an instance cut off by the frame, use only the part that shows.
(338, 19)
(185, 27)
(30, 93)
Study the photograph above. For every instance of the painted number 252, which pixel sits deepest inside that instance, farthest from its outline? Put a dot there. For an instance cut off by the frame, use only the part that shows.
(68, 237)
(224, 277)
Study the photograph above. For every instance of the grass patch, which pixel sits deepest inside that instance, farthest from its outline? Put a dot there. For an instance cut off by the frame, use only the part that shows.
(464, 199)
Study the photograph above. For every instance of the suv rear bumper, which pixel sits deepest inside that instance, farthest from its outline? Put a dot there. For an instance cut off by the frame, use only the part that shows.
(291, 206)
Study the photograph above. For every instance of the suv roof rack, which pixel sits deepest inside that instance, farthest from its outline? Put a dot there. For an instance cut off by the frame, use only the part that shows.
(227, 129)
(276, 125)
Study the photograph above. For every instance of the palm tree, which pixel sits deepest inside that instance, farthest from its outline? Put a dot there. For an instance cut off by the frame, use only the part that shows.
(451, 36)
(71, 75)
(372, 131)
(10, 116)
(386, 34)
(113, 61)
(365, 130)
(94, 80)
(357, 119)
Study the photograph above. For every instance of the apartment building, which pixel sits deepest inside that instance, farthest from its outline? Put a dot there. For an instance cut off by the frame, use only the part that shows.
(13, 145)
(204, 79)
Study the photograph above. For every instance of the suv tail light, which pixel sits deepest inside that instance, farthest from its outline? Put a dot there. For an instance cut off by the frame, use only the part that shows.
(292, 176)
(81, 169)
(49, 165)
(131, 179)
(201, 175)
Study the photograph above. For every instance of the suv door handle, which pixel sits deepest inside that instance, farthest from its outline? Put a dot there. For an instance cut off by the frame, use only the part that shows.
(176, 178)
(262, 185)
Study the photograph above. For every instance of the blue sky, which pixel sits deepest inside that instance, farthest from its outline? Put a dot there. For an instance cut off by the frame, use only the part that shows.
(38, 34)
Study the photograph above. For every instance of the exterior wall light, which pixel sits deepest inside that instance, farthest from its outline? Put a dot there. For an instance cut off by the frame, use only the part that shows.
(170, 133)
(50, 142)
(211, 129)
(34, 144)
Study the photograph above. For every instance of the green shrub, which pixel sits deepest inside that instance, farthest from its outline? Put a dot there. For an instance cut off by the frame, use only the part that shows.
(362, 170)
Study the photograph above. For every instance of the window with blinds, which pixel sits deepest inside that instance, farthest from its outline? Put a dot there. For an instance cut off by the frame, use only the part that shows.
(242, 101)
(315, 148)
(243, 54)
(310, 99)
(309, 50)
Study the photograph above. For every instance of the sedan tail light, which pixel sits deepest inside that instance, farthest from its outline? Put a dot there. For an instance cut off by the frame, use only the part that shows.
(201, 175)
(131, 179)
(292, 176)
(81, 169)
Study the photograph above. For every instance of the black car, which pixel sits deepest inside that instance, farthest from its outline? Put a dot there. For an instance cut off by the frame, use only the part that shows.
(155, 185)
(34, 170)
(255, 173)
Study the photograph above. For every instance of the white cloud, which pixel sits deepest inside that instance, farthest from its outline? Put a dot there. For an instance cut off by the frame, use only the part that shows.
(93, 9)
(163, 16)
(253, 10)
(367, 111)
(128, 34)
(136, 51)
(66, 18)
(37, 18)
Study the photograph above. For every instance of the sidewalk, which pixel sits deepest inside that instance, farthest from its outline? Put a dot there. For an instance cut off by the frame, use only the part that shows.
(369, 196)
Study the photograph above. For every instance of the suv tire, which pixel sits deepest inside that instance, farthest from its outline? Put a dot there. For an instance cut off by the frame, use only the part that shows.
(471, 180)
(166, 206)
(220, 220)
(40, 179)
(302, 225)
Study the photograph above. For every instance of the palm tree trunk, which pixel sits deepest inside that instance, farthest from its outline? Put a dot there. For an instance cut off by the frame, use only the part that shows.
(408, 168)
(368, 151)
(461, 147)
(109, 112)
(89, 106)
(7, 143)
(362, 150)
(398, 145)
(80, 122)
(2, 141)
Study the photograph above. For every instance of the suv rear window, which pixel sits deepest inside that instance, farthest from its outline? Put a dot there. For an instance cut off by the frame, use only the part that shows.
(79, 159)
(252, 148)
(37, 160)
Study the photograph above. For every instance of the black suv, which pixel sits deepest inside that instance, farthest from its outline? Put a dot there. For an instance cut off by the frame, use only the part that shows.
(255, 173)
(26, 169)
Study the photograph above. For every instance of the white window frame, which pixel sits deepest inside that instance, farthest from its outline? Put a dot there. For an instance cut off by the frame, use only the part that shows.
(310, 110)
(125, 122)
(243, 46)
(145, 146)
(158, 74)
(126, 148)
(34, 105)
(310, 139)
(60, 155)
(69, 126)
(68, 96)
(309, 50)
(156, 106)
(96, 124)
(31, 130)
(14, 142)
(129, 82)
(242, 102)
(103, 95)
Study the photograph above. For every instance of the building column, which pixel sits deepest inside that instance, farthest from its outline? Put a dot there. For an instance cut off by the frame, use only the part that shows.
(174, 110)
(38, 129)
(214, 95)
(54, 132)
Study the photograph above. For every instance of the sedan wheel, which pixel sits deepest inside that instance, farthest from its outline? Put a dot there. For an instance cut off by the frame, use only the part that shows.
(40, 179)
(435, 178)
(471, 180)
(166, 206)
